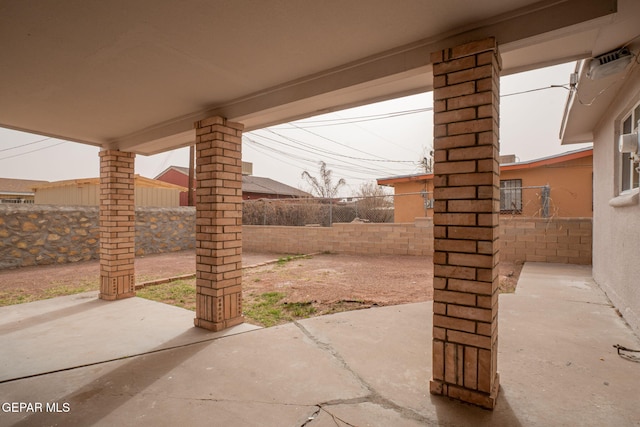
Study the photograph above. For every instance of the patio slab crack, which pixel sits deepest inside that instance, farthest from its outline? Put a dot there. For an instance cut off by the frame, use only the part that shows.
(373, 397)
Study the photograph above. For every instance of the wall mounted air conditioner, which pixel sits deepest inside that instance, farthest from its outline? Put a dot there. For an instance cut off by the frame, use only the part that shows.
(610, 63)
(629, 143)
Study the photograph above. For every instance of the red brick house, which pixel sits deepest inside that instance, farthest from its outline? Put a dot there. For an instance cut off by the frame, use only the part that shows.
(253, 187)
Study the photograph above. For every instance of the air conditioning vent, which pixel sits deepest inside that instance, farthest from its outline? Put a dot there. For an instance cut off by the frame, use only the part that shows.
(605, 58)
(610, 63)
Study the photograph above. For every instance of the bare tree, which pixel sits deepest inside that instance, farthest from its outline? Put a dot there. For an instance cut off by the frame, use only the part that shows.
(375, 204)
(323, 186)
(371, 189)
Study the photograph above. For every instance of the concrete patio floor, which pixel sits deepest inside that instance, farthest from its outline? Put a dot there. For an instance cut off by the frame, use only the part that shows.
(138, 362)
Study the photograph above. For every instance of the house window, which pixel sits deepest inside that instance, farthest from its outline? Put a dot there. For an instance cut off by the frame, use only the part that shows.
(629, 177)
(511, 196)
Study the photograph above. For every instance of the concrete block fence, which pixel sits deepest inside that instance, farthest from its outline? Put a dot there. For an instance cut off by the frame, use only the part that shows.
(42, 234)
(349, 238)
(560, 240)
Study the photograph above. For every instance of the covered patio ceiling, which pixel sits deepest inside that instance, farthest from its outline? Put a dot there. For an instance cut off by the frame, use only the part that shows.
(136, 75)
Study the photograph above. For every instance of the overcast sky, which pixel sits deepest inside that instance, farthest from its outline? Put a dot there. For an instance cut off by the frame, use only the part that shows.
(359, 144)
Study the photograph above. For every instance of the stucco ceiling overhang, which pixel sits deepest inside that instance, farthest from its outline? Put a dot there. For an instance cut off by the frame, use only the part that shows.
(591, 98)
(136, 75)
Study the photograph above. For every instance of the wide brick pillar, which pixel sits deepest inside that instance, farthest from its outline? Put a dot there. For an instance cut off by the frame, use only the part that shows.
(117, 224)
(218, 224)
(466, 213)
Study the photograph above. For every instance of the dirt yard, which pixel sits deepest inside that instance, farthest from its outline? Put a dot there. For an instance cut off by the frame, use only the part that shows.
(329, 282)
(338, 282)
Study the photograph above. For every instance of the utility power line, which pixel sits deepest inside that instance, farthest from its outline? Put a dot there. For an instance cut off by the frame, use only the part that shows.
(24, 145)
(33, 151)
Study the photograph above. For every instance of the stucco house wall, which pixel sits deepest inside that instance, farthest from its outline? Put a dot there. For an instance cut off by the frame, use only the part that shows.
(616, 218)
(407, 204)
(571, 186)
(568, 175)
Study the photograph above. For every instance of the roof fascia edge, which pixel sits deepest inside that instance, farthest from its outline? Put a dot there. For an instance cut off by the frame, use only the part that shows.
(510, 29)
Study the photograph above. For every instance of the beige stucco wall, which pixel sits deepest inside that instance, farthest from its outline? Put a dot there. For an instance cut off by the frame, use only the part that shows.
(616, 230)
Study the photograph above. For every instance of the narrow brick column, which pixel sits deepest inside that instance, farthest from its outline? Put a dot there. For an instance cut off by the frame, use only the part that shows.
(218, 224)
(466, 213)
(117, 224)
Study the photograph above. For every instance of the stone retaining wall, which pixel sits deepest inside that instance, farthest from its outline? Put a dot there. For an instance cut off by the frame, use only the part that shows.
(45, 234)
(42, 234)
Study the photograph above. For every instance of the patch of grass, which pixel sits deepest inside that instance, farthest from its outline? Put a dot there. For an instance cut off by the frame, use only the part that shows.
(181, 293)
(300, 310)
(347, 305)
(20, 296)
(285, 259)
(62, 290)
(269, 309)
(15, 296)
(266, 310)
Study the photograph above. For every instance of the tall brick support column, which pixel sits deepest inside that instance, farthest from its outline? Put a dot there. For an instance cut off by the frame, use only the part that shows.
(117, 225)
(218, 224)
(466, 213)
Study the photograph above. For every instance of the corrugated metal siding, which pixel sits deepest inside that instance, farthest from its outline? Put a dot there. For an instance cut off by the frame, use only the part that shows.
(160, 197)
(83, 195)
(89, 195)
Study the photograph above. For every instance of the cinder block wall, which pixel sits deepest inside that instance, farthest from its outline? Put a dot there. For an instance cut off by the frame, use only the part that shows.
(350, 238)
(34, 235)
(561, 240)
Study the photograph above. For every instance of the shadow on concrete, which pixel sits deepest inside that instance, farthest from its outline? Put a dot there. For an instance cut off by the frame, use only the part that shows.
(38, 319)
(454, 412)
(94, 401)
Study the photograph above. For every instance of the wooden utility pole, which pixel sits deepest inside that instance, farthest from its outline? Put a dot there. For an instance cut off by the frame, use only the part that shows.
(191, 175)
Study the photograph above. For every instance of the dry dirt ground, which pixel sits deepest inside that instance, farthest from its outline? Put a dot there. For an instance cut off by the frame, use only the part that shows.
(333, 282)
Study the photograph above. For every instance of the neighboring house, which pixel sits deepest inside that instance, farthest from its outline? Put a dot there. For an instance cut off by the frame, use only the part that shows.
(555, 186)
(413, 196)
(18, 190)
(253, 187)
(603, 105)
(86, 192)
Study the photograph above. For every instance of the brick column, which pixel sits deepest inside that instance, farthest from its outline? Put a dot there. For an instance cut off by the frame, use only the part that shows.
(466, 213)
(218, 224)
(117, 225)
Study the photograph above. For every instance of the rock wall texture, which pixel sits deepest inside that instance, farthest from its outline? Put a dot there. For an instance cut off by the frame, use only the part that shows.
(47, 234)
(43, 234)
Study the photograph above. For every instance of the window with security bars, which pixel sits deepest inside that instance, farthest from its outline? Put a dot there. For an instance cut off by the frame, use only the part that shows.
(629, 177)
(511, 196)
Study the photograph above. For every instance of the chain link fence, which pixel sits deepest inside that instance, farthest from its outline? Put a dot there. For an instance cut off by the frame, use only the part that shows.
(317, 211)
(532, 202)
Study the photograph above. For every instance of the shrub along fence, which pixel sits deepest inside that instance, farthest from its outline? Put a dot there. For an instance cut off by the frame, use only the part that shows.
(42, 234)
